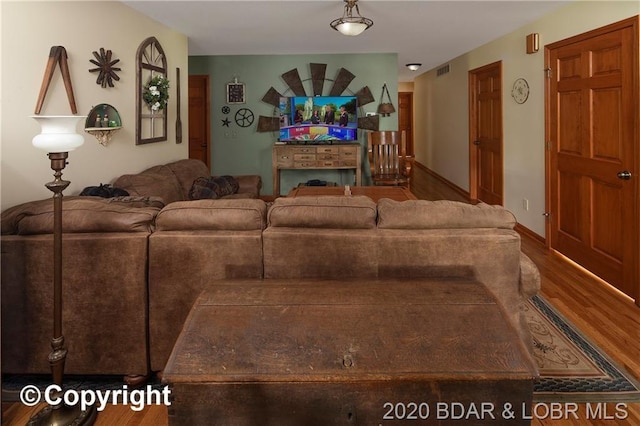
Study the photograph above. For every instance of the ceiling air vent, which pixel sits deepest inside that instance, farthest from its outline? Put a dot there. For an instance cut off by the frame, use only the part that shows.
(442, 70)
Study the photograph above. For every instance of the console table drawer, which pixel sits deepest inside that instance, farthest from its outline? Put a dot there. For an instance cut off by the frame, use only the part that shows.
(348, 163)
(327, 156)
(328, 164)
(348, 151)
(304, 150)
(328, 149)
(284, 160)
(304, 165)
(304, 157)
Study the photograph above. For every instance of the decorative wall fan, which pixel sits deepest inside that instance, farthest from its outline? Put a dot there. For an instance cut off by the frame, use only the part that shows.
(296, 85)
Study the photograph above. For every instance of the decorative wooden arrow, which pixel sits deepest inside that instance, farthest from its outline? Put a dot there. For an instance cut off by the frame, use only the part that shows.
(58, 54)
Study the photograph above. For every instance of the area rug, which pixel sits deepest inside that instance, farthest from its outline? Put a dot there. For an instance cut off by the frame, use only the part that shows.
(572, 369)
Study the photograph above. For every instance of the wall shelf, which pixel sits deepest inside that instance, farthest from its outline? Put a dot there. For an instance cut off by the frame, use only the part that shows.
(102, 122)
(102, 134)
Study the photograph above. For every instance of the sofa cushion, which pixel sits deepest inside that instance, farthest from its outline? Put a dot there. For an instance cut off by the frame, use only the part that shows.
(229, 215)
(186, 171)
(337, 212)
(158, 181)
(80, 215)
(250, 185)
(422, 214)
(137, 201)
(213, 187)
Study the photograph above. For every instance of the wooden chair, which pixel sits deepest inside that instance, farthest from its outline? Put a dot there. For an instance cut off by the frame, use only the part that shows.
(387, 158)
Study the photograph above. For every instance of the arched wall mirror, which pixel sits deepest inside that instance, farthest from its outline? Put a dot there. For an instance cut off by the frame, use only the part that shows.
(151, 116)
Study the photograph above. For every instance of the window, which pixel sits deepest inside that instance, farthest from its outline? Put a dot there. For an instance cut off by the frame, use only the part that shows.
(151, 124)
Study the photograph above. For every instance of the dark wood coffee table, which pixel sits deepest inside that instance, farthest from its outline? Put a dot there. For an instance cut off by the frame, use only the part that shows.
(293, 352)
(397, 193)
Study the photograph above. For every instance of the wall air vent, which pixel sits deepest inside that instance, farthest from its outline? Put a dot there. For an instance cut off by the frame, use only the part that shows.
(442, 70)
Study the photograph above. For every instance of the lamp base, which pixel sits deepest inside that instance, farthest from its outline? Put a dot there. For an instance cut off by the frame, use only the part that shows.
(64, 415)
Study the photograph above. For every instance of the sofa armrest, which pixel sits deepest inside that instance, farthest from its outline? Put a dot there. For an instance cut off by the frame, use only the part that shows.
(83, 215)
(249, 184)
(529, 277)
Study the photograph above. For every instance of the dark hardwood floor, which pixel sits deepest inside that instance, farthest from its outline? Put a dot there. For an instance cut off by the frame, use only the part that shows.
(604, 315)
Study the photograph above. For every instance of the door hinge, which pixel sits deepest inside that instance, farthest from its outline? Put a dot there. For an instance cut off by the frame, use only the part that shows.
(547, 72)
(549, 145)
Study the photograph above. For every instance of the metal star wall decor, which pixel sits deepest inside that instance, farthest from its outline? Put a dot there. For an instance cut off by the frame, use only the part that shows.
(106, 69)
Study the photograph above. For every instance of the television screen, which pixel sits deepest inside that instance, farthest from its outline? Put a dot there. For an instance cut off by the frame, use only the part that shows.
(317, 119)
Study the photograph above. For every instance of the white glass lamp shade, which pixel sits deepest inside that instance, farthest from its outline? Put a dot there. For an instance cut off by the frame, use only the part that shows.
(58, 132)
(349, 24)
(351, 28)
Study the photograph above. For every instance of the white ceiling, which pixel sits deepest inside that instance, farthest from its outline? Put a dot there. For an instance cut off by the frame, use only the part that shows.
(428, 32)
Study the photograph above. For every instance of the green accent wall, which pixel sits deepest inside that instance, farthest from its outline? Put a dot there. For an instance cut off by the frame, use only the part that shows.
(237, 150)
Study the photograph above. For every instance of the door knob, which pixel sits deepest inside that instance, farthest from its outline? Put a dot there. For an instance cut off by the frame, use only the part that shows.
(476, 142)
(624, 175)
(203, 145)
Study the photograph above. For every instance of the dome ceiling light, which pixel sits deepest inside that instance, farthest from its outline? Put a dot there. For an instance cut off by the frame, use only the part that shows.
(349, 24)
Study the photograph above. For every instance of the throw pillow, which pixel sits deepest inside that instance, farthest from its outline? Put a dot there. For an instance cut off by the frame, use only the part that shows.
(213, 187)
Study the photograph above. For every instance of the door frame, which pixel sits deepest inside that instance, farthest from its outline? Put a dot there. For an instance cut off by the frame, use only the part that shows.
(411, 144)
(207, 121)
(633, 22)
(473, 127)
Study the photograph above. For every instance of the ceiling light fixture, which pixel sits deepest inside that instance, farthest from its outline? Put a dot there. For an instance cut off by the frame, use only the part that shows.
(413, 67)
(351, 25)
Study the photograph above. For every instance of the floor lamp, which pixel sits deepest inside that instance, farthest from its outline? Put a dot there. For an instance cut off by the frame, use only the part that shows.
(57, 137)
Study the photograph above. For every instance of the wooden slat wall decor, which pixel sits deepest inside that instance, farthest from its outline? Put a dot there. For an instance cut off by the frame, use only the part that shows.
(317, 78)
(293, 80)
(342, 82)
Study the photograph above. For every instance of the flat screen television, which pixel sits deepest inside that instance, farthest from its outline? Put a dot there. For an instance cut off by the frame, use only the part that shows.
(318, 119)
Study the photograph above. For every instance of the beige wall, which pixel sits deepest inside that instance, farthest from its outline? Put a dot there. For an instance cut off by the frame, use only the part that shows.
(405, 86)
(441, 104)
(29, 30)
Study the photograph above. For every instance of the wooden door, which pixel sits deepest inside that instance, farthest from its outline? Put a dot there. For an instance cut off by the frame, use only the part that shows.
(592, 152)
(485, 131)
(199, 118)
(405, 118)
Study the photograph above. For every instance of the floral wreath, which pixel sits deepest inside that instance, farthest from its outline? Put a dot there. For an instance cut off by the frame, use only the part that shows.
(156, 93)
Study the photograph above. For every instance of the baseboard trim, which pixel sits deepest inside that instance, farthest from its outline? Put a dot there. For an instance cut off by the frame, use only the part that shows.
(523, 230)
(445, 181)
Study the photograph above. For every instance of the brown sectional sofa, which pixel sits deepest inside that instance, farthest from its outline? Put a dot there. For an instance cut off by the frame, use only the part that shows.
(172, 182)
(105, 271)
(151, 288)
(195, 243)
(105, 253)
(352, 237)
